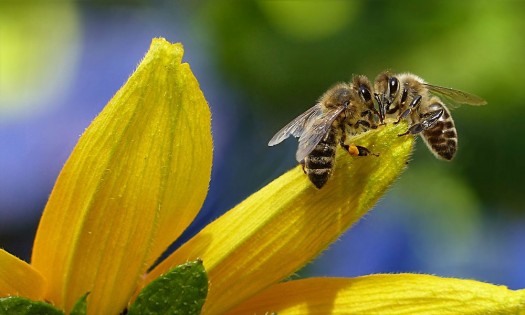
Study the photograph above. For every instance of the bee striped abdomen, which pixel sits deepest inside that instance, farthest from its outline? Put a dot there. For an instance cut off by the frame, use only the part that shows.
(442, 138)
(409, 97)
(319, 164)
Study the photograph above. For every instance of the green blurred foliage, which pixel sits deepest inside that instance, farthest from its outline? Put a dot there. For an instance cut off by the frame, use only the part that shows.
(39, 43)
(285, 54)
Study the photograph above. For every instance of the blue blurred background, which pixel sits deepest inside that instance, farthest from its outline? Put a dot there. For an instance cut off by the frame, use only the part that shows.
(262, 63)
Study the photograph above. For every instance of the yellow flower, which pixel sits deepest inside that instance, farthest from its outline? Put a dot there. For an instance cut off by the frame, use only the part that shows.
(138, 177)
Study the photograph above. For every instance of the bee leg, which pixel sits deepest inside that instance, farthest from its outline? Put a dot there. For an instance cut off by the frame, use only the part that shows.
(302, 165)
(404, 96)
(354, 150)
(364, 151)
(357, 150)
(414, 104)
(392, 110)
(369, 113)
(428, 120)
(413, 130)
(364, 123)
(381, 112)
(343, 139)
(349, 148)
(373, 114)
(403, 115)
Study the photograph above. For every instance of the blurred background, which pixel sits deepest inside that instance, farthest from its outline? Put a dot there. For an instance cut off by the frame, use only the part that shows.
(260, 64)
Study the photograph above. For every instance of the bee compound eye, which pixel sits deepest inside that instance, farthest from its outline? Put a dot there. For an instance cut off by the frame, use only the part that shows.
(346, 103)
(393, 86)
(365, 93)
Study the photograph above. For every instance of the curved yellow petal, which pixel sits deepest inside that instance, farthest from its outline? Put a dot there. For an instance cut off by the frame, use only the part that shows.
(18, 278)
(385, 294)
(135, 180)
(280, 228)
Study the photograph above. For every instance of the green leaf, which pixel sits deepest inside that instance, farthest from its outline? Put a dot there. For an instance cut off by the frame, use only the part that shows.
(21, 306)
(182, 290)
(80, 307)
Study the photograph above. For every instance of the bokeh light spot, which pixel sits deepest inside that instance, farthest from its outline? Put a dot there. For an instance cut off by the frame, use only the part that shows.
(309, 20)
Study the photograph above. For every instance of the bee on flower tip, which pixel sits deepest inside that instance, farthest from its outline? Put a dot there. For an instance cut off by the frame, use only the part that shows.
(407, 96)
(345, 109)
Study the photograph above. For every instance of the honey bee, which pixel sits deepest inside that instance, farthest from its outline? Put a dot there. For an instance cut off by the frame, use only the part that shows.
(345, 109)
(407, 96)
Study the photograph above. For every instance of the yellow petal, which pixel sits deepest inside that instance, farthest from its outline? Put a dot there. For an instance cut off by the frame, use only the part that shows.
(287, 223)
(385, 294)
(18, 278)
(135, 180)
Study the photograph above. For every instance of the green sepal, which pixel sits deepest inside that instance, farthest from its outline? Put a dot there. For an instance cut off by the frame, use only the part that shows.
(16, 305)
(182, 290)
(80, 307)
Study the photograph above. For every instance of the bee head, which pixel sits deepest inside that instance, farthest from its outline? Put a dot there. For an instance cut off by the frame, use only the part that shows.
(363, 93)
(386, 87)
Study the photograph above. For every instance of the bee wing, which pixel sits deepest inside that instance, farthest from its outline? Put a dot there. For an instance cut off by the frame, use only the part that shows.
(315, 131)
(455, 96)
(297, 126)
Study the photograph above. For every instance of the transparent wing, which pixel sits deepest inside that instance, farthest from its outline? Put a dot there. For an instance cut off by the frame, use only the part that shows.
(457, 97)
(315, 131)
(297, 126)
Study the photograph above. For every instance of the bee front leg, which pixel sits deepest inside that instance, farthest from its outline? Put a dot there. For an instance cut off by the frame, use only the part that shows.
(428, 120)
(413, 105)
(382, 107)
